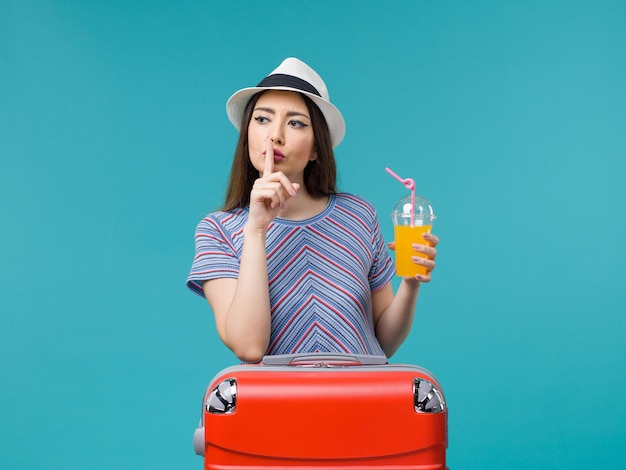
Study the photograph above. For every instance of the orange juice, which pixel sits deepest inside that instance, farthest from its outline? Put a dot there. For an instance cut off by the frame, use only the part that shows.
(405, 237)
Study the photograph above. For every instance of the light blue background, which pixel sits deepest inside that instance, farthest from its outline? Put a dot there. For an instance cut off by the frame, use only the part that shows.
(511, 116)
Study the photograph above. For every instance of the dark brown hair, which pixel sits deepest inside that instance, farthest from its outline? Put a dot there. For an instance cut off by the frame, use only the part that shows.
(320, 175)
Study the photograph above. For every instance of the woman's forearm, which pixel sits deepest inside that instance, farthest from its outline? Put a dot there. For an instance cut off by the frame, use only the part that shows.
(248, 321)
(395, 322)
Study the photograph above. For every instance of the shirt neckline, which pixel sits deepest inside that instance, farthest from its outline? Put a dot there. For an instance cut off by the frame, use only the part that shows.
(311, 220)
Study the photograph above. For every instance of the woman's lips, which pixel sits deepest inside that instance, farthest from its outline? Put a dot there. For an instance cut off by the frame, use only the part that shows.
(278, 156)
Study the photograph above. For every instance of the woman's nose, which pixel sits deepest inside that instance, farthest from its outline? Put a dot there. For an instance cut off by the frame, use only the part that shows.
(277, 137)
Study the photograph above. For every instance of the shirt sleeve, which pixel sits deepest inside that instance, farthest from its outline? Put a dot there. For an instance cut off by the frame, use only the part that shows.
(383, 267)
(215, 257)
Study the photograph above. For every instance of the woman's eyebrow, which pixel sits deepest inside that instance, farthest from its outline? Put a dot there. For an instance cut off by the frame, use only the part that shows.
(266, 110)
(297, 113)
(289, 113)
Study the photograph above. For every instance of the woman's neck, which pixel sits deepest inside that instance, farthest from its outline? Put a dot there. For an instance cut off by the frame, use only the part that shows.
(303, 206)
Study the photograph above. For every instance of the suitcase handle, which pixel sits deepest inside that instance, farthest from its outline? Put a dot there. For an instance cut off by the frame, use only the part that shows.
(323, 360)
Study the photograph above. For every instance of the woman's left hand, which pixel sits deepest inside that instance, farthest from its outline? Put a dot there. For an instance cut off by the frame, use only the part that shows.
(429, 249)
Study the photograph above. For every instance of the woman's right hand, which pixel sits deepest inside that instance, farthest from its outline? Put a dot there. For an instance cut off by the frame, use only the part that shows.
(269, 193)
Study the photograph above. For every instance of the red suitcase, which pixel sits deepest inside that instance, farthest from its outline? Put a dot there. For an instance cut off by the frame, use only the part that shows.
(323, 411)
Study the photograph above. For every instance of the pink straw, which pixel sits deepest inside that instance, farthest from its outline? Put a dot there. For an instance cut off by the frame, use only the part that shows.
(409, 184)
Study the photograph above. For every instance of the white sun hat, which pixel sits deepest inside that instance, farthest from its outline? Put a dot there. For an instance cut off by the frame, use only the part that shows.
(292, 75)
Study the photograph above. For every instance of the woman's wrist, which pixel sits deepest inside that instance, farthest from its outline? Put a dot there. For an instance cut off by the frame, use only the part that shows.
(412, 282)
(250, 230)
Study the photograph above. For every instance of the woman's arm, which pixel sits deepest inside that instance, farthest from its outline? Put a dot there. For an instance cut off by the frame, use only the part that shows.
(242, 306)
(393, 314)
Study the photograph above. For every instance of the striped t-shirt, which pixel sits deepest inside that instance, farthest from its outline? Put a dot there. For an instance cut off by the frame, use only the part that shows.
(321, 271)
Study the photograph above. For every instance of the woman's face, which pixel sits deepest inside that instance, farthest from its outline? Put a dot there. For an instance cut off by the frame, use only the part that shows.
(283, 117)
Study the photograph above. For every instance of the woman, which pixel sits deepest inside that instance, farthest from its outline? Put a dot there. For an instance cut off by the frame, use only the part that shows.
(289, 265)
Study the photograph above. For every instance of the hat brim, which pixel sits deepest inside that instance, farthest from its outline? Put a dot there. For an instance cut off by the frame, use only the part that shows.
(236, 105)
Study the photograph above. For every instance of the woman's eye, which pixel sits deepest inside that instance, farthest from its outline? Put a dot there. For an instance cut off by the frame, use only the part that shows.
(261, 119)
(297, 124)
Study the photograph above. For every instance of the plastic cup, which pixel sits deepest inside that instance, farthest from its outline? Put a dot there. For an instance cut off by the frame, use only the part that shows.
(409, 229)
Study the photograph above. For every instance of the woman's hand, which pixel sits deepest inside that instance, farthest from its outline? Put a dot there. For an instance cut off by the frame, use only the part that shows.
(429, 249)
(270, 192)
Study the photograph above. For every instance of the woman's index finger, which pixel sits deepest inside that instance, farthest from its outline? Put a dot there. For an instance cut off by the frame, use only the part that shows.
(268, 167)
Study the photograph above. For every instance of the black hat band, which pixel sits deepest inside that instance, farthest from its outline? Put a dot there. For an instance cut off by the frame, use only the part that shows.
(283, 80)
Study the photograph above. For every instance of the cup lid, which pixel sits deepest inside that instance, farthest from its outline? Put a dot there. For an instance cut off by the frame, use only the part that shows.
(423, 209)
